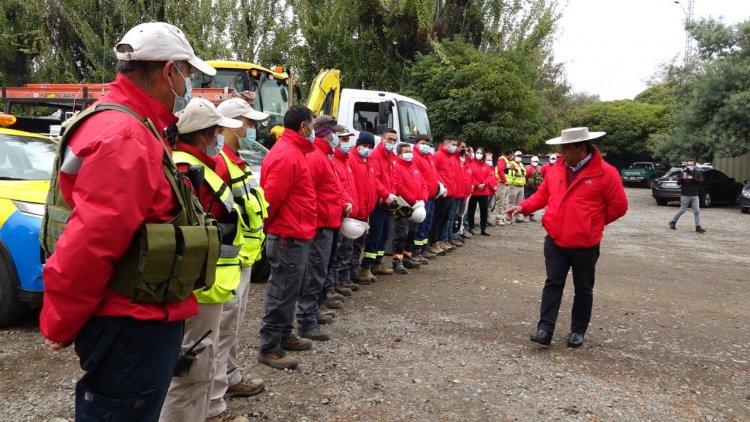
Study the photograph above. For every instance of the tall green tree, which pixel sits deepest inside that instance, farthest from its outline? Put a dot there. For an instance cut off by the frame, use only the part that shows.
(21, 40)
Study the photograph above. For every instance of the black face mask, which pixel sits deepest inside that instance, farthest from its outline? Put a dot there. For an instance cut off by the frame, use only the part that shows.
(463, 152)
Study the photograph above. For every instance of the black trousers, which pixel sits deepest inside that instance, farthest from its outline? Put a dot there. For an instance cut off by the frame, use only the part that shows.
(438, 218)
(482, 201)
(558, 261)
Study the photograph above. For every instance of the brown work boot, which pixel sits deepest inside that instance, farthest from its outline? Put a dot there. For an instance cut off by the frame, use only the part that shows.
(379, 269)
(350, 285)
(446, 246)
(366, 276)
(343, 291)
(428, 254)
(316, 334)
(436, 250)
(279, 359)
(225, 416)
(294, 343)
(456, 243)
(334, 304)
(323, 310)
(245, 388)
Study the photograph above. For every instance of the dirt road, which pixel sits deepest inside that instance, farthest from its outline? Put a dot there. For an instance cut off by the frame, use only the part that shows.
(668, 339)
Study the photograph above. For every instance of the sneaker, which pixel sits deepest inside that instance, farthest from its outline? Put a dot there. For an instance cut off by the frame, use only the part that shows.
(335, 296)
(279, 360)
(428, 255)
(673, 225)
(700, 229)
(350, 285)
(334, 304)
(466, 235)
(324, 319)
(366, 276)
(343, 291)
(436, 250)
(491, 223)
(410, 264)
(315, 334)
(379, 269)
(295, 344)
(225, 416)
(245, 388)
(398, 267)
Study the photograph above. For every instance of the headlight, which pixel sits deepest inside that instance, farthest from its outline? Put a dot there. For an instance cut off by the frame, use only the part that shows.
(746, 191)
(30, 208)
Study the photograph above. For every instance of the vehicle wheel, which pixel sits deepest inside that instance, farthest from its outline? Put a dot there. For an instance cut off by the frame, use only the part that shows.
(12, 310)
(706, 200)
(261, 270)
(745, 210)
(661, 202)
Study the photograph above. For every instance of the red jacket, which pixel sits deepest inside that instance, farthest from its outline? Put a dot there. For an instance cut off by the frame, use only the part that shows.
(107, 211)
(445, 164)
(408, 182)
(364, 179)
(327, 186)
(382, 162)
(287, 183)
(576, 215)
(206, 195)
(467, 178)
(429, 173)
(545, 168)
(482, 173)
(344, 173)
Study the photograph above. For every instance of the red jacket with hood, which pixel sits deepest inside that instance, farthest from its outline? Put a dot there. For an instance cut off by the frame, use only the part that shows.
(382, 162)
(408, 181)
(346, 178)
(327, 186)
(106, 213)
(467, 178)
(576, 215)
(445, 164)
(482, 173)
(427, 169)
(364, 179)
(210, 203)
(287, 183)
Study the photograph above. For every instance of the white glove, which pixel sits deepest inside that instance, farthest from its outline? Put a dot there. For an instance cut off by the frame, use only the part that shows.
(418, 204)
(442, 190)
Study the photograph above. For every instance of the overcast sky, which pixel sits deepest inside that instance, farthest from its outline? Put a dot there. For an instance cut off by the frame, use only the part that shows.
(611, 47)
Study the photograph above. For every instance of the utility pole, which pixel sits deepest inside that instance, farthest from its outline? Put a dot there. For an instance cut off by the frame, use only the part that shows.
(688, 22)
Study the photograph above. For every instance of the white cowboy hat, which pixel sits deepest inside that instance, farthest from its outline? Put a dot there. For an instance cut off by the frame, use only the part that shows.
(575, 134)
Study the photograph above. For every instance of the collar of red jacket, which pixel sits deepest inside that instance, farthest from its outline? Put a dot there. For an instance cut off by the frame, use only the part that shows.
(594, 165)
(197, 153)
(126, 92)
(340, 155)
(400, 161)
(236, 159)
(381, 151)
(297, 140)
(323, 145)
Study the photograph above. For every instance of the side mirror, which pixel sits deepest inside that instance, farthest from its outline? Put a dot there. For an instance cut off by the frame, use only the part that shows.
(384, 112)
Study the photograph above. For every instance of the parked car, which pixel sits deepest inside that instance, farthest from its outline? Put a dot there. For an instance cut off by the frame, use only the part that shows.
(716, 187)
(642, 173)
(744, 199)
(26, 161)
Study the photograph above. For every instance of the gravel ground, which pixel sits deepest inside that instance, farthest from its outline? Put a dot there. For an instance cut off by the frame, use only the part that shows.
(668, 339)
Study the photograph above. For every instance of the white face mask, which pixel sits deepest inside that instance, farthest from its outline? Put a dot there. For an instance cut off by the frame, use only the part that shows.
(517, 159)
(534, 163)
(478, 155)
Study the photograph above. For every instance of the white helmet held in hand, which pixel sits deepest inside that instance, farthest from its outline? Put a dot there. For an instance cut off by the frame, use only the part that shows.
(352, 228)
(418, 215)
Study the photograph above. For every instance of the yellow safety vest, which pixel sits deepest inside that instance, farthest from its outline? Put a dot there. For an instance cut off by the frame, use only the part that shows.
(228, 266)
(517, 175)
(502, 166)
(253, 210)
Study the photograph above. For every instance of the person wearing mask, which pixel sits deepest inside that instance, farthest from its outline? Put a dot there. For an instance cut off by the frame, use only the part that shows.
(466, 157)
(445, 164)
(502, 170)
(690, 181)
(381, 160)
(409, 185)
(290, 227)
(483, 181)
(332, 206)
(533, 180)
(228, 379)
(582, 195)
(198, 144)
(422, 153)
(516, 182)
(546, 167)
(130, 362)
(367, 199)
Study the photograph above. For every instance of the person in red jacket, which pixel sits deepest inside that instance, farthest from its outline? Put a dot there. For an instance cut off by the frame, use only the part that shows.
(127, 350)
(548, 165)
(466, 155)
(423, 160)
(290, 226)
(445, 164)
(367, 199)
(381, 160)
(409, 184)
(483, 181)
(332, 205)
(533, 180)
(583, 193)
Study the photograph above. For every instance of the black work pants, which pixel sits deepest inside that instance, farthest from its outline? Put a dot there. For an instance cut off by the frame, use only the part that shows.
(558, 261)
(482, 201)
(438, 218)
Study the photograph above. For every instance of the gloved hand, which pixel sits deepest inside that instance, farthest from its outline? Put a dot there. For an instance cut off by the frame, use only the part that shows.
(418, 204)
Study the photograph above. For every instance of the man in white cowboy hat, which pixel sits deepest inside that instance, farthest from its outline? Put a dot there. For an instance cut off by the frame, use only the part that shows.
(582, 194)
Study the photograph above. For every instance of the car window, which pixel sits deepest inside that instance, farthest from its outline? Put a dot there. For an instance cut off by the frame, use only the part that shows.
(26, 157)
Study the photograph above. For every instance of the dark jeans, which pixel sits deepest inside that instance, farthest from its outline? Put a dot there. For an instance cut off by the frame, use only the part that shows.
(128, 364)
(380, 226)
(558, 262)
(482, 202)
(357, 246)
(403, 234)
(313, 284)
(439, 217)
(288, 260)
(446, 233)
(422, 239)
(458, 213)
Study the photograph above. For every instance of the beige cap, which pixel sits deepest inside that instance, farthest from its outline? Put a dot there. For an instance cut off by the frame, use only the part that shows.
(237, 107)
(160, 41)
(200, 114)
(574, 135)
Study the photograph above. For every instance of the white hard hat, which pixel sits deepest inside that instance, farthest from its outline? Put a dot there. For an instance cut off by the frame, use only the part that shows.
(535, 159)
(418, 215)
(352, 228)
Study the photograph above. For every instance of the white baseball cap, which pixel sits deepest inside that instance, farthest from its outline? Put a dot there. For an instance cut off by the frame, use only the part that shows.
(200, 114)
(535, 159)
(518, 153)
(160, 41)
(237, 107)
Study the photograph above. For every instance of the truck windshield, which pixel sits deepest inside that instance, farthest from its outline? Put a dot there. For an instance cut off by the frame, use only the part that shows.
(638, 166)
(414, 121)
(274, 97)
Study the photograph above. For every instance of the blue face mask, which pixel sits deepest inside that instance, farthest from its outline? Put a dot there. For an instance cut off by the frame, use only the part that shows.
(345, 148)
(311, 136)
(424, 149)
(364, 152)
(407, 156)
(181, 102)
(390, 147)
(212, 151)
(452, 149)
(247, 141)
(334, 141)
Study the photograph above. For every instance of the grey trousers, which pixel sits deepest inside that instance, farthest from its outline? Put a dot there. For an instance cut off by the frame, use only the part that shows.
(357, 247)
(340, 270)
(288, 260)
(315, 278)
(692, 202)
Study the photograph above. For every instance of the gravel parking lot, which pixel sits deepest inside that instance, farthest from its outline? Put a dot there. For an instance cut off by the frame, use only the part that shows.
(668, 339)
